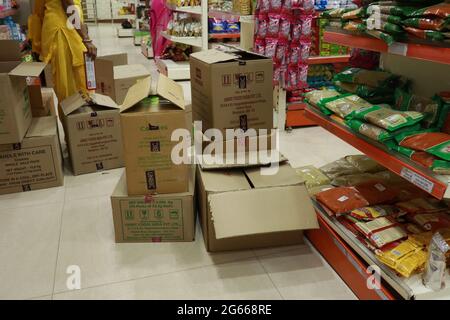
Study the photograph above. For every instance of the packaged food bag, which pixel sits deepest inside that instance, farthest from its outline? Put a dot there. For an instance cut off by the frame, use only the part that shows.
(422, 205)
(441, 10)
(369, 130)
(345, 105)
(389, 39)
(426, 34)
(381, 231)
(354, 179)
(354, 14)
(406, 258)
(435, 143)
(430, 221)
(376, 192)
(312, 176)
(364, 163)
(369, 78)
(316, 96)
(371, 213)
(342, 199)
(435, 268)
(339, 168)
(436, 24)
(312, 191)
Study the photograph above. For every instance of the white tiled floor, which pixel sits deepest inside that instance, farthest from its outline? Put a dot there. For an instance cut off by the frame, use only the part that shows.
(44, 232)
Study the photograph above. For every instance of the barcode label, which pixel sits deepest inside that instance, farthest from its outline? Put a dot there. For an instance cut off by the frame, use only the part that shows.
(418, 180)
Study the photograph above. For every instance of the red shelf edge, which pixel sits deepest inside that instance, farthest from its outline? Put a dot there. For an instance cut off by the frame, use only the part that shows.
(224, 35)
(330, 59)
(385, 159)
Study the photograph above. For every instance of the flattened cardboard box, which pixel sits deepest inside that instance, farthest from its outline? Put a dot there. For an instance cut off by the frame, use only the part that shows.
(115, 76)
(159, 218)
(241, 209)
(232, 90)
(36, 162)
(146, 134)
(92, 126)
(15, 110)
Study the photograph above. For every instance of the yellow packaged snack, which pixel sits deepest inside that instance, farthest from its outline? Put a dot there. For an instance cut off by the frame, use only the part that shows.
(422, 239)
(312, 176)
(414, 262)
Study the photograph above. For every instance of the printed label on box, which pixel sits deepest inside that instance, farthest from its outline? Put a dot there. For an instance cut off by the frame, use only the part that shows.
(159, 220)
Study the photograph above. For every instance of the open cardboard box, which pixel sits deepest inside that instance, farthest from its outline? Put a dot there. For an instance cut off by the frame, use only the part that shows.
(15, 110)
(92, 126)
(242, 209)
(115, 76)
(146, 130)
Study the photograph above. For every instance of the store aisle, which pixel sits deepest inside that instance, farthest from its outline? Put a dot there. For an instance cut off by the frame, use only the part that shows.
(47, 234)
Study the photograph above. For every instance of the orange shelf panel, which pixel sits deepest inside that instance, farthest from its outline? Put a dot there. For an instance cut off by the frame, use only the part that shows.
(329, 59)
(224, 35)
(298, 118)
(421, 177)
(412, 50)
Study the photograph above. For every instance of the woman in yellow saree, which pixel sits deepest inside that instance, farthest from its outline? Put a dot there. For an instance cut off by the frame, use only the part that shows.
(60, 37)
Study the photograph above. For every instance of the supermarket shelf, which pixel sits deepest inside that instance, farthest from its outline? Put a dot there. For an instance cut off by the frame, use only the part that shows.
(411, 288)
(186, 9)
(8, 13)
(293, 106)
(224, 15)
(329, 59)
(423, 178)
(191, 41)
(174, 70)
(224, 35)
(412, 50)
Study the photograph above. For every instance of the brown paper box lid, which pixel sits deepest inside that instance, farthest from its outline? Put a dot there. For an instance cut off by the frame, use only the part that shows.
(42, 127)
(28, 69)
(172, 91)
(213, 56)
(224, 180)
(139, 91)
(286, 176)
(130, 71)
(77, 100)
(258, 211)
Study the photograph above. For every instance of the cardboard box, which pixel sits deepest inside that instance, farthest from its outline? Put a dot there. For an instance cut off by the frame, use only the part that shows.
(146, 134)
(92, 127)
(160, 218)
(15, 110)
(115, 76)
(36, 162)
(241, 209)
(42, 101)
(232, 90)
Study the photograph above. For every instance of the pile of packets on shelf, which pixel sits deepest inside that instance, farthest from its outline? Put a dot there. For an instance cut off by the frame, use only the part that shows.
(402, 225)
(184, 3)
(382, 107)
(9, 30)
(392, 21)
(216, 25)
(283, 33)
(184, 25)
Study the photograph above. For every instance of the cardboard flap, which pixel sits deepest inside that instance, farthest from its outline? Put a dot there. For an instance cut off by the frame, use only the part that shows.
(172, 91)
(103, 101)
(11, 50)
(130, 71)
(72, 103)
(257, 211)
(215, 162)
(139, 91)
(117, 59)
(220, 181)
(213, 56)
(42, 127)
(28, 69)
(285, 176)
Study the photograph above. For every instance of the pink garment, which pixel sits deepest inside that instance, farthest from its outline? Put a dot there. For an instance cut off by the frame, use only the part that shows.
(159, 18)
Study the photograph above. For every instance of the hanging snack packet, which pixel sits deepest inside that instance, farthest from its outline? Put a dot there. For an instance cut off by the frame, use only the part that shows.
(439, 10)
(316, 96)
(276, 74)
(275, 6)
(274, 25)
(381, 231)
(261, 26)
(263, 6)
(312, 176)
(364, 163)
(292, 78)
(287, 7)
(339, 168)
(371, 213)
(306, 22)
(296, 31)
(435, 143)
(435, 267)
(426, 34)
(346, 104)
(302, 76)
(342, 199)
(281, 51)
(406, 258)
(305, 48)
(271, 47)
(260, 46)
(285, 27)
(386, 118)
(294, 55)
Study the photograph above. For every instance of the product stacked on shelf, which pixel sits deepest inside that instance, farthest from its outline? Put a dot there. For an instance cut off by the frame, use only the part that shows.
(384, 213)
(238, 7)
(9, 29)
(321, 5)
(184, 25)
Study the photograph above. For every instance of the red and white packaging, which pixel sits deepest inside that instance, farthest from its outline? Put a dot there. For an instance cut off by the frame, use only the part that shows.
(274, 25)
(271, 47)
(285, 27)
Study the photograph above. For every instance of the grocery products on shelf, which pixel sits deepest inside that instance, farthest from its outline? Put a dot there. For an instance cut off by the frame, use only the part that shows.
(184, 25)
(184, 3)
(240, 7)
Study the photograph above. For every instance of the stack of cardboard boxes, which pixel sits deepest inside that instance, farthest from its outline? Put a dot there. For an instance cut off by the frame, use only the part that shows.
(239, 207)
(30, 154)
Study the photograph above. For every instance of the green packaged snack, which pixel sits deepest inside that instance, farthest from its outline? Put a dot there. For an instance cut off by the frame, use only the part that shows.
(354, 14)
(316, 96)
(436, 24)
(435, 143)
(401, 11)
(345, 104)
(391, 19)
(426, 34)
(371, 94)
(444, 104)
(391, 28)
(354, 26)
(369, 130)
(335, 13)
(441, 10)
(366, 77)
(386, 118)
(405, 101)
(381, 36)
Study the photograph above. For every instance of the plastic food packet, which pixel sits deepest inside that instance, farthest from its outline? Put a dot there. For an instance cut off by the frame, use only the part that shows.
(305, 48)
(281, 51)
(354, 179)
(285, 27)
(292, 78)
(345, 105)
(264, 6)
(371, 213)
(287, 7)
(381, 231)
(294, 55)
(422, 205)
(316, 189)
(306, 22)
(364, 164)
(260, 46)
(435, 143)
(312, 176)
(425, 23)
(407, 192)
(342, 199)
(276, 74)
(314, 97)
(391, 28)
(296, 31)
(430, 221)
(376, 192)
(339, 168)
(435, 267)
(422, 239)
(401, 11)
(334, 13)
(354, 14)
(302, 76)
(390, 178)
(273, 25)
(275, 6)
(271, 47)
(440, 10)
(261, 27)
(369, 130)
(406, 258)
(354, 26)
(381, 36)
(366, 77)
(426, 34)
(386, 118)
(391, 18)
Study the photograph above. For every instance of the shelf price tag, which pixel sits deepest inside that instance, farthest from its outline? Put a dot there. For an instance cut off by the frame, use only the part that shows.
(398, 48)
(417, 180)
